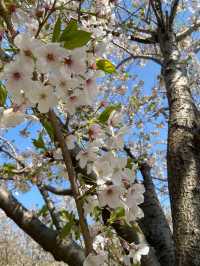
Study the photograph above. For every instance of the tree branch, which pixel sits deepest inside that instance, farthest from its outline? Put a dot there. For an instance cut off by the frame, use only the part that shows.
(156, 6)
(57, 191)
(145, 57)
(132, 56)
(150, 40)
(72, 178)
(67, 250)
(173, 12)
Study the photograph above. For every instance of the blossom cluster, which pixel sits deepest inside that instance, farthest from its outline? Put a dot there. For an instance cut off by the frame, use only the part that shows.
(43, 74)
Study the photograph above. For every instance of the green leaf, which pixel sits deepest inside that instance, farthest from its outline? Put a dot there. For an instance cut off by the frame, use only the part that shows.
(43, 211)
(106, 66)
(74, 38)
(66, 230)
(8, 167)
(71, 27)
(49, 128)
(97, 212)
(129, 163)
(3, 95)
(77, 39)
(57, 30)
(103, 117)
(117, 214)
(66, 216)
(151, 106)
(39, 143)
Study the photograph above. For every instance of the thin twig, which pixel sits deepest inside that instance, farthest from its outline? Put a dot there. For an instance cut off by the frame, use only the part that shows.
(132, 56)
(50, 206)
(45, 19)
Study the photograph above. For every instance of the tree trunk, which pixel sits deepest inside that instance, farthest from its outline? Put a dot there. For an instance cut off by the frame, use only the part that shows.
(183, 155)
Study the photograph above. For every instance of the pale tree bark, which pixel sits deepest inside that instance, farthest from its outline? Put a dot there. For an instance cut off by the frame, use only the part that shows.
(62, 250)
(183, 155)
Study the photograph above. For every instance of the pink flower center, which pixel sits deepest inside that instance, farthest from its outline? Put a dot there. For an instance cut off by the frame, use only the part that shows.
(16, 75)
(43, 96)
(73, 98)
(88, 82)
(109, 191)
(63, 84)
(50, 57)
(68, 61)
(28, 53)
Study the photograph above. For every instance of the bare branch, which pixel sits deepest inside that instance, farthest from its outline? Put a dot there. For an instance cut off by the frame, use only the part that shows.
(59, 192)
(66, 250)
(156, 6)
(145, 57)
(173, 12)
(147, 31)
(46, 18)
(50, 206)
(132, 56)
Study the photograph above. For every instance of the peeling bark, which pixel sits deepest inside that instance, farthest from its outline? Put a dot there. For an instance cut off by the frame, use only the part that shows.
(62, 250)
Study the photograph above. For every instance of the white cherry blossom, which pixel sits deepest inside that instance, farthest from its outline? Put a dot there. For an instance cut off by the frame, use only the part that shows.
(110, 195)
(74, 62)
(71, 140)
(43, 96)
(137, 252)
(115, 118)
(18, 76)
(134, 213)
(27, 46)
(103, 171)
(87, 155)
(49, 57)
(73, 101)
(10, 118)
(90, 203)
(135, 195)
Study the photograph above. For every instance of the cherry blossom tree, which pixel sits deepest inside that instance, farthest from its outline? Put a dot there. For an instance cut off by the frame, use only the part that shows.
(67, 70)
